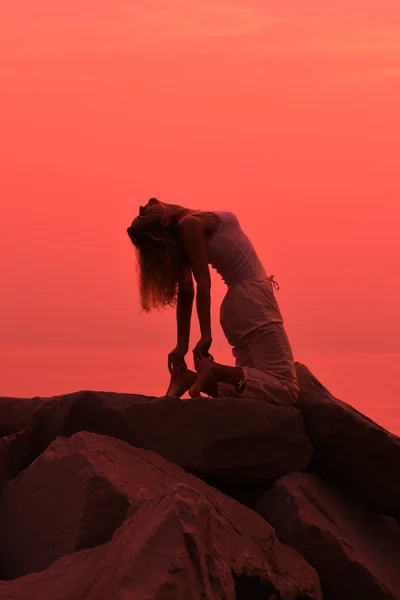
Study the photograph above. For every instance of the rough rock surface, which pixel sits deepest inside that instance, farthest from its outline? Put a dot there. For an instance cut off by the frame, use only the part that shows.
(110, 495)
(13, 452)
(16, 413)
(66, 579)
(354, 550)
(231, 440)
(175, 537)
(350, 450)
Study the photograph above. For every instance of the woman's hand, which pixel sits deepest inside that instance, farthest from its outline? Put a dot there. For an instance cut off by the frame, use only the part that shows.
(201, 349)
(176, 358)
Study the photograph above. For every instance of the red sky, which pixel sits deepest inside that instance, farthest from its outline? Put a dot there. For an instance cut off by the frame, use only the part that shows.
(284, 112)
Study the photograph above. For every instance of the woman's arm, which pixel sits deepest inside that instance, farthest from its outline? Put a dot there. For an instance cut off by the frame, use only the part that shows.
(184, 309)
(194, 244)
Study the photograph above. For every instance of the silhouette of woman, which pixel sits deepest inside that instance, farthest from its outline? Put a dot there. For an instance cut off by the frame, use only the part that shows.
(175, 244)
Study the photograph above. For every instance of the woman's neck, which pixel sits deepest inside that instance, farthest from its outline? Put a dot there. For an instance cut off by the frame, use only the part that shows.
(178, 212)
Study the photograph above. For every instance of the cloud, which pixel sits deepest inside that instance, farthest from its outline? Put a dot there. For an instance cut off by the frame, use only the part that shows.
(371, 41)
(338, 39)
(380, 73)
(183, 18)
(317, 20)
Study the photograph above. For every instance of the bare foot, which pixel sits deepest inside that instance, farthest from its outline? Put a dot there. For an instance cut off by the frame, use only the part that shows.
(181, 380)
(205, 381)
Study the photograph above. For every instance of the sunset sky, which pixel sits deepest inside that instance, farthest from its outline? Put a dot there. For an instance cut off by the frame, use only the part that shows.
(285, 112)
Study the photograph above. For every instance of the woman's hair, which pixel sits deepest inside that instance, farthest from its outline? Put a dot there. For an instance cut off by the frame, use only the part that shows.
(160, 265)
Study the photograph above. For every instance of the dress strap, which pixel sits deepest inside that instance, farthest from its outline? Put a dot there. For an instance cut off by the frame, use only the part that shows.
(274, 283)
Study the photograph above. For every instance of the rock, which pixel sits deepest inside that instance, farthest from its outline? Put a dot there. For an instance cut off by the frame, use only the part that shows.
(226, 440)
(64, 502)
(185, 547)
(66, 579)
(87, 516)
(16, 413)
(350, 450)
(13, 452)
(164, 534)
(354, 549)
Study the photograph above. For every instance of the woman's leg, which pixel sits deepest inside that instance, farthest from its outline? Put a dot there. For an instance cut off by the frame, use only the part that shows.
(183, 379)
(264, 363)
(219, 380)
(210, 374)
(266, 357)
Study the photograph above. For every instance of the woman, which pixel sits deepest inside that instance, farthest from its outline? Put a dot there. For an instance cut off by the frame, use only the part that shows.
(175, 244)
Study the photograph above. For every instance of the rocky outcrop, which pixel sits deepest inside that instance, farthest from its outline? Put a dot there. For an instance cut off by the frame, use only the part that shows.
(108, 497)
(16, 413)
(162, 532)
(354, 549)
(229, 440)
(350, 450)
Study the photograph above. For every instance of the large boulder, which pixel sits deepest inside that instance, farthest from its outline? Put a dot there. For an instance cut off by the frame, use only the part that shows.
(14, 449)
(227, 440)
(16, 413)
(354, 549)
(350, 450)
(155, 532)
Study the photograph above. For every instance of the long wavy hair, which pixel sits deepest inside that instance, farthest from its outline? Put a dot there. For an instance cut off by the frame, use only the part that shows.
(159, 266)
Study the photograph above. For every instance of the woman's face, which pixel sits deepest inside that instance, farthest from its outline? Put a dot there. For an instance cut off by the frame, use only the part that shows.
(149, 219)
(153, 211)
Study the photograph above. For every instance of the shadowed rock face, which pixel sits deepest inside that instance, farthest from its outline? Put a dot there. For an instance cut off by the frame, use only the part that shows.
(353, 548)
(350, 450)
(16, 413)
(165, 533)
(108, 496)
(229, 440)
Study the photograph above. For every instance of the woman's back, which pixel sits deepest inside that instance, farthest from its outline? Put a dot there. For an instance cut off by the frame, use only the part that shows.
(230, 251)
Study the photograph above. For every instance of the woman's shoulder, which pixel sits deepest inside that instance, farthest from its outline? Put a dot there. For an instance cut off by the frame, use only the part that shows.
(225, 215)
(208, 221)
